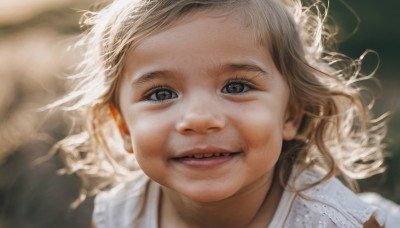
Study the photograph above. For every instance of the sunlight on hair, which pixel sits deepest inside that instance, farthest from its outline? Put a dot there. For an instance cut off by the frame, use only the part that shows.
(338, 132)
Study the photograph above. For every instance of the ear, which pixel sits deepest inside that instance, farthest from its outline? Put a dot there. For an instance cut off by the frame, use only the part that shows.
(293, 117)
(122, 127)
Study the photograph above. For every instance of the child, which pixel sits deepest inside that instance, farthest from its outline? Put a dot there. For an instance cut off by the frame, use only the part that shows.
(235, 113)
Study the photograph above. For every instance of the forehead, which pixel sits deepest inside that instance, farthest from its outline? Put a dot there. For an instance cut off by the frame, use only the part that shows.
(200, 35)
(244, 15)
(210, 22)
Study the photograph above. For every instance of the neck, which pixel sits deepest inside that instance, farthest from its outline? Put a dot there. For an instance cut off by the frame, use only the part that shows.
(253, 207)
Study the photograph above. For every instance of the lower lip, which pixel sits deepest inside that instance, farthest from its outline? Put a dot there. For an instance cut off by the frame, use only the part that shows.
(206, 163)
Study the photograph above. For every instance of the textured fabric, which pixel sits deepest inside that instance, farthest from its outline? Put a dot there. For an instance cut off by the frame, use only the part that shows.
(132, 204)
(391, 209)
(330, 204)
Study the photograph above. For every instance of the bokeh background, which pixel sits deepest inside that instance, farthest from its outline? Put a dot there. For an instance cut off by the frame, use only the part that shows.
(34, 38)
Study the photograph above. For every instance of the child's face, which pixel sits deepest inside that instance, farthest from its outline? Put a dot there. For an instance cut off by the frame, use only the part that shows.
(205, 88)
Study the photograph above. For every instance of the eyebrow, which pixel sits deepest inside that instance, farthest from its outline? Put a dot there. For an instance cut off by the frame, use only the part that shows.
(242, 67)
(232, 67)
(150, 76)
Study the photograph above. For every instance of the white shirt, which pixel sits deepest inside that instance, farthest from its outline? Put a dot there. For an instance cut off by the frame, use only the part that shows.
(330, 204)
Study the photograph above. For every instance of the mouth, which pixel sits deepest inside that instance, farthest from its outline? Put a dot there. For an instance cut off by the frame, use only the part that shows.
(206, 159)
(207, 155)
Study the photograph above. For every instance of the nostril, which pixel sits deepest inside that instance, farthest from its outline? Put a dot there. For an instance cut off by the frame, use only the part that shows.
(200, 124)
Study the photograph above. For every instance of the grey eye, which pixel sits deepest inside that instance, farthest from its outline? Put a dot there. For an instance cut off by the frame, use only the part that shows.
(162, 95)
(235, 87)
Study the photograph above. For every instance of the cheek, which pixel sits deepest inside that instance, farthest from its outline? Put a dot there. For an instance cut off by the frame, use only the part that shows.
(149, 135)
(265, 140)
(264, 144)
(262, 128)
(149, 138)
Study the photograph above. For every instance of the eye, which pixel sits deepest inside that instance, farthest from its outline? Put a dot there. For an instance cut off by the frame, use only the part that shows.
(161, 94)
(236, 87)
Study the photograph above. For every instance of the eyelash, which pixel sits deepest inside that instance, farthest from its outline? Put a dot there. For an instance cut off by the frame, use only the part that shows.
(242, 80)
(156, 88)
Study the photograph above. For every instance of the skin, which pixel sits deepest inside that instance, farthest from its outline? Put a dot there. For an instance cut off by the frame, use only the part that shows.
(204, 85)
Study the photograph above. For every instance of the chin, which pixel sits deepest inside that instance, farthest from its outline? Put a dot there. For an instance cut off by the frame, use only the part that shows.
(207, 195)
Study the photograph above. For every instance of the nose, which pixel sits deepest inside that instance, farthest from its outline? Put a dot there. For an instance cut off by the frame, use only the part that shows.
(201, 117)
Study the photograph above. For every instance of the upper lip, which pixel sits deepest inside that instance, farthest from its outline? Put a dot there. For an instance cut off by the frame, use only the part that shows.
(203, 150)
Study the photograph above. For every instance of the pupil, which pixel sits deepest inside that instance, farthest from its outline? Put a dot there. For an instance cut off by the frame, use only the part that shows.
(235, 88)
(163, 95)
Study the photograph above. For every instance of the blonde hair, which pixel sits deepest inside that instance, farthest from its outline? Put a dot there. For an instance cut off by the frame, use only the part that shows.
(337, 132)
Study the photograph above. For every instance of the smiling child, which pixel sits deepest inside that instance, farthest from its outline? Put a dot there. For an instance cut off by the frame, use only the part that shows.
(234, 114)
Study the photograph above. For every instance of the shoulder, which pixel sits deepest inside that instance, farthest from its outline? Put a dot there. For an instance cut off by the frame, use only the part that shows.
(392, 210)
(329, 204)
(127, 204)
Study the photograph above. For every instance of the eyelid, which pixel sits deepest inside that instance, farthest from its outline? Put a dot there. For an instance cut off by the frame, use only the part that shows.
(152, 89)
(244, 80)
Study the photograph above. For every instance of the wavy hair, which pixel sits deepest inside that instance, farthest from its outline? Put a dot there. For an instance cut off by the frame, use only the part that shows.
(337, 131)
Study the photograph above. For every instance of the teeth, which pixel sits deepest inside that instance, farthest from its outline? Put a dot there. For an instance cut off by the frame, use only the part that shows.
(198, 156)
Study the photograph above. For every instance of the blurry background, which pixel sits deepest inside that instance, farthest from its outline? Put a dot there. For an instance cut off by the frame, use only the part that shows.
(34, 36)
